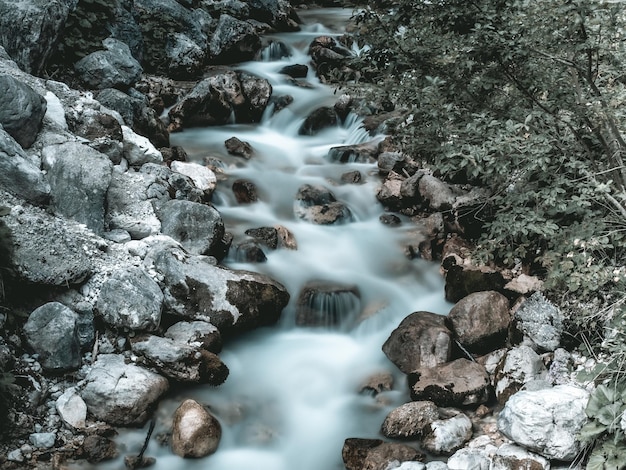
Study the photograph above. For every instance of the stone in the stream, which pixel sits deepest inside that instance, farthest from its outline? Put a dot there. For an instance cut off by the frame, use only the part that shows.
(99, 449)
(195, 432)
(410, 420)
(258, 93)
(295, 70)
(248, 252)
(357, 153)
(239, 148)
(377, 383)
(318, 205)
(319, 119)
(352, 177)
(245, 191)
(374, 454)
(327, 304)
(268, 236)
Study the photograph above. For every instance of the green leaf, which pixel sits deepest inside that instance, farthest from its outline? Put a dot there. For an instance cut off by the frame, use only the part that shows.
(591, 431)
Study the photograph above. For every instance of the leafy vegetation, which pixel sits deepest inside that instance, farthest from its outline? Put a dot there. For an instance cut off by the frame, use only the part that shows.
(524, 98)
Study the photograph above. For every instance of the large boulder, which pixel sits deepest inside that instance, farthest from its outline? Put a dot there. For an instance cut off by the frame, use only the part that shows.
(79, 178)
(114, 67)
(277, 13)
(22, 110)
(121, 394)
(457, 383)
(195, 432)
(233, 41)
(480, 321)
(258, 92)
(374, 454)
(546, 421)
(420, 341)
(30, 30)
(231, 300)
(52, 332)
(19, 175)
(131, 299)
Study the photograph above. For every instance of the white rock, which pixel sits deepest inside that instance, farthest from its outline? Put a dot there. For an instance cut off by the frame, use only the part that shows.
(512, 457)
(15, 456)
(42, 440)
(72, 409)
(395, 465)
(436, 465)
(54, 111)
(520, 366)
(448, 435)
(546, 421)
(202, 177)
(138, 149)
(469, 459)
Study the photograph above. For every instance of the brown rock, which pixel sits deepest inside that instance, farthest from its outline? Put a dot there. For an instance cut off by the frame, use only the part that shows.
(410, 420)
(196, 432)
(245, 191)
(374, 454)
(239, 148)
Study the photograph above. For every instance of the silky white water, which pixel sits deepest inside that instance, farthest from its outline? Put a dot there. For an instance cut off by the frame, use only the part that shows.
(292, 396)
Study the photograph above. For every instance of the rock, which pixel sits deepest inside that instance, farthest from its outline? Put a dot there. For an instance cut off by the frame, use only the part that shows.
(277, 13)
(203, 178)
(22, 110)
(464, 280)
(249, 252)
(352, 177)
(374, 454)
(318, 205)
(448, 435)
(327, 54)
(390, 219)
(15, 456)
(389, 193)
(99, 449)
(541, 322)
(469, 458)
(420, 341)
(438, 195)
(326, 304)
(196, 433)
(51, 330)
(390, 162)
(480, 321)
(114, 67)
(377, 383)
(30, 31)
(231, 300)
(236, 147)
(524, 285)
(233, 41)
(179, 361)
(295, 70)
(319, 119)
(410, 420)
(286, 238)
(121, 394)
(245, 191)
(512, 457)
(546, 421)
(129, 298)
(357, 153)
(268, 236)
(172, 184)
(79, 178)
(198, 227)
(19, 175)
(200, 333)
(519, 366)
(138, 150)
(103, 131)
(72, 409)
(42, 440)
(457, 383)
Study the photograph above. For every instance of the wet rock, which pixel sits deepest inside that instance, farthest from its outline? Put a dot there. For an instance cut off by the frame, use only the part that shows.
(377, 383)
(410, 420)
(249, 252)
(390, 219)
(512, 457)
(357, 153)
(295, 70)
(198, 227)
(352, 177)
(22, 110)
(114, 67)
(196, 432)
(268, 236)
(325, 304)
(19, 175)
(138, 150)
(343, 106)
(245, 191)
(72, 409)
(51, 330)
(457, 383)
(129, 298)
(541, 322)
(420, 341)
(236, 8)
(99, 449)
(230, 300)
(236, 147)
(374, 454)
(448, 435)
(79, 178)
(281, 102)
(258, 93)
(286, 238)
(200, 333)
(327, 54)
(319, 119)
(233, 41)
(318, 205)
(121, 394)
(179, 361)
(519, 366)
(480, 321)
(546, 421)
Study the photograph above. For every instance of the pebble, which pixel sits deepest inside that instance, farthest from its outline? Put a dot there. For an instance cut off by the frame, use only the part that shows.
(43, 440)
(15, 456)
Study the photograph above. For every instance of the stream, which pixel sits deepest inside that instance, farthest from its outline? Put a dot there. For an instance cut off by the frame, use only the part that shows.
(292, 396)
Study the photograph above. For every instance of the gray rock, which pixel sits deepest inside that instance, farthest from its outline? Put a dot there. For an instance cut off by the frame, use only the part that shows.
(448, 435)
(233, 41)
(29, 31)
(121, 394)
(410, 420)
(111, 68)
(366, 152)
(198, 227)
(101, 129)
(258, 93)
(541, 322)
(457, 383)
(79, 178)
(245, 191)
(200, 333)
(42, 440)
(469, 458)
(319, 119)
(546, 421)
(420, 341)
(72, 409)
(480, 321)
(52, 331)
(203, 177)
(138, 149)
(318, 205)
(15, 456)
(196, 433)
(22, 110)
(374, 454)
(19, 175)
(129, 298)
(277, 13)
(180, 361)
(231, 300)
(518, 367)
(179, 185)
(512, 457)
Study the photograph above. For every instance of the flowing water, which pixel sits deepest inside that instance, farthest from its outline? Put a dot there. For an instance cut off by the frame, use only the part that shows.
(292, 396)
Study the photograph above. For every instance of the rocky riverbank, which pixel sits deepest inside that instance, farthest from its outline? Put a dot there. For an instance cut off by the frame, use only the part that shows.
(113, 291)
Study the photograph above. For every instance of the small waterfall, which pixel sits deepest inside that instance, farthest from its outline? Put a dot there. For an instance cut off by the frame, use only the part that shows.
(275, 50)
